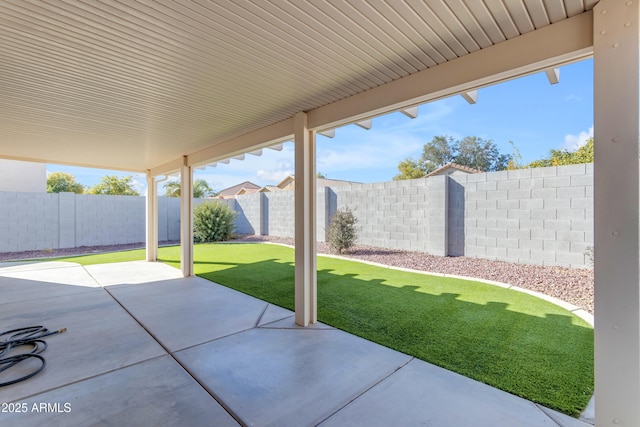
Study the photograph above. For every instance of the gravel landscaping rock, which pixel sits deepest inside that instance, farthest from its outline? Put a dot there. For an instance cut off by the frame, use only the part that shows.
(574, 286)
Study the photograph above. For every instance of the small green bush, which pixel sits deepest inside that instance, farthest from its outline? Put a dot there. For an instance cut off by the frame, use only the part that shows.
(343, 232)
(213, 222)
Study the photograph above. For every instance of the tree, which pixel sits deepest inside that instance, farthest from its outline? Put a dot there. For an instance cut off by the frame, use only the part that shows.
(480, 154)
(516, 159)
(410, 169)
(114, 185)
(201, 189)
(60, 182)
(583, 154)
(172, 189)
(343, 231)
(437, 153)
(472, 151)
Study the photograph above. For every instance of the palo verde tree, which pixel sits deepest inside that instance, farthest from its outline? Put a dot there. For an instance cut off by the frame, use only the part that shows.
(471, 151)
(62, 182)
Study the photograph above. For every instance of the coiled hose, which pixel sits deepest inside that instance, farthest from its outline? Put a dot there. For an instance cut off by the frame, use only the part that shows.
(30, 336)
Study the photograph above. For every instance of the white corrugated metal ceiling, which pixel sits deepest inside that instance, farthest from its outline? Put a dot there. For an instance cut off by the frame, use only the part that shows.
(135, 84)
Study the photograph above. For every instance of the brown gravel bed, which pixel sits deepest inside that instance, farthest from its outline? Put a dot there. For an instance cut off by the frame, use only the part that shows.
(574, 286)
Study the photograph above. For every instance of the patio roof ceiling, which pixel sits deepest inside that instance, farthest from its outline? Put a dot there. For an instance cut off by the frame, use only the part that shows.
(137, 85)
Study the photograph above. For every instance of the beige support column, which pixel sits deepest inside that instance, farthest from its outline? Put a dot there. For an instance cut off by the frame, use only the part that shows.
(186, 219)
(305, 222)
(616, 199)
(152, 218)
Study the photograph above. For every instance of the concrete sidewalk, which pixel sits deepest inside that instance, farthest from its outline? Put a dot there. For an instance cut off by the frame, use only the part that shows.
(145, 346)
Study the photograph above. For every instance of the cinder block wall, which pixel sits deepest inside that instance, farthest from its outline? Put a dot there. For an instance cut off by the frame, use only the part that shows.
(28, 221)
(407, 215)
(540, 216)
(108, 220)
(249, 213)
(279, 212)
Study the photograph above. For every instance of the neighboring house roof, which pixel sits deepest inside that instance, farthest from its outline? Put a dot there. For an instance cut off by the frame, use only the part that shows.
(245, 190)
(269, 189)
(450, 168)
(288, 182)
(229, 193)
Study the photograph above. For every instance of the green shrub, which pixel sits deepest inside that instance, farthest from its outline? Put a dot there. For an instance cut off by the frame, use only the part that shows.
(343, 232)
(213, 222)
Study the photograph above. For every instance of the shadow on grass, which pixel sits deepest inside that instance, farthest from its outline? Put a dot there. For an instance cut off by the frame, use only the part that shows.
(546, 358)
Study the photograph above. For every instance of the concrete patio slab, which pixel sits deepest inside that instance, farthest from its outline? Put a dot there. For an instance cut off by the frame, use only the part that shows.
(274, 313)
(289, 377)
(564, 420)
(425, 394)
(290, 323)
(155, 392)
(13, 266)
(188, 311)
(132, 273)
(23, 284)
(235, 359)
(101, 337)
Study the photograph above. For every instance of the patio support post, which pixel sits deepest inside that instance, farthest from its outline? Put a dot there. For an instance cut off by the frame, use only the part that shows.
(186, 219)
(152, 218)
(616, 41)
(305, 222)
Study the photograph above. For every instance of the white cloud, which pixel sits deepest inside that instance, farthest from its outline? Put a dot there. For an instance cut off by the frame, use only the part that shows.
(573, 142)
(274, 176)
(573, 97)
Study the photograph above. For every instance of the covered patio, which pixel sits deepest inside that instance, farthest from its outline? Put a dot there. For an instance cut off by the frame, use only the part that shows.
(146, 346)
(165, 87)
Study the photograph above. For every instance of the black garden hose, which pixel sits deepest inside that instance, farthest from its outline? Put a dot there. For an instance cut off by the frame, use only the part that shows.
(30, 336)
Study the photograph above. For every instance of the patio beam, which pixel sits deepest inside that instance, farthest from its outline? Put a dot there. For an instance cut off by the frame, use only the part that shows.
(305, 222)
(151, 240)
(186, 219)
(262, 138)
(617, 212)
(169, 168)
(567, 40)
(553, 75)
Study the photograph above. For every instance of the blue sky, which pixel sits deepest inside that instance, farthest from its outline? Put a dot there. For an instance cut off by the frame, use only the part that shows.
(529, 111)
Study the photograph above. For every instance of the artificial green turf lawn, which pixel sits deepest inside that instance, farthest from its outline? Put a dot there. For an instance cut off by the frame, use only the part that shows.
(507, 339)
